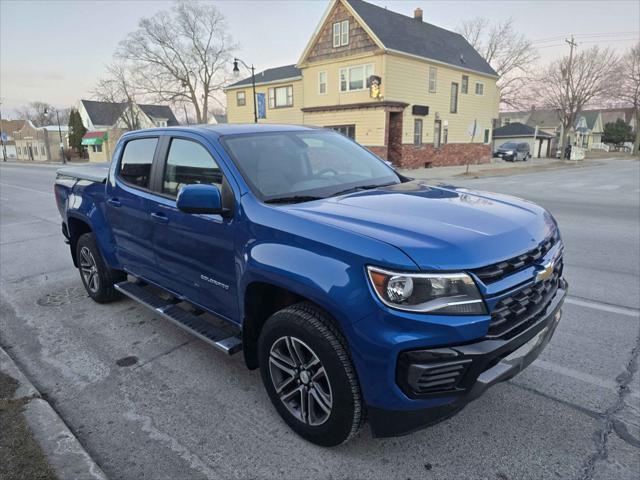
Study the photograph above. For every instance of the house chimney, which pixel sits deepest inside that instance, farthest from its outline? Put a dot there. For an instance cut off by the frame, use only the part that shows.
(417, 14)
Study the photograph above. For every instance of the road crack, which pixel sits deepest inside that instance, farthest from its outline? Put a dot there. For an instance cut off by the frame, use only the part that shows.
(601, 436)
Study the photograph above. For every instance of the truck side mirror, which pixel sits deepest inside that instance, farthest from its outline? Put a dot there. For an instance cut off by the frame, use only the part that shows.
(197, 198)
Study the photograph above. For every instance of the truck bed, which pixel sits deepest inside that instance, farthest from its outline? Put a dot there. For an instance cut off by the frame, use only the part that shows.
(95, 172)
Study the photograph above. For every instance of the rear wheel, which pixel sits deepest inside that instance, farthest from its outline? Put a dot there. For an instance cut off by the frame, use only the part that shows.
(97, 278)
(308, 375)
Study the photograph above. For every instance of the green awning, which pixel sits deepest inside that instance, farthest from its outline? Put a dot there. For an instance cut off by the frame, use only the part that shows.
(95, 138)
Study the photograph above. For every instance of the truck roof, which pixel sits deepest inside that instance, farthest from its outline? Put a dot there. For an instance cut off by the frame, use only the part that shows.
(229, 129)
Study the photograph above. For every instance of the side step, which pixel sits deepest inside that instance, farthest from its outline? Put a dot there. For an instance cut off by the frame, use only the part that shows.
(193, 324)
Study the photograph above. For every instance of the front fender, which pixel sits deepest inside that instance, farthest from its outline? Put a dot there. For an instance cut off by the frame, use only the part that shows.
(320, 276)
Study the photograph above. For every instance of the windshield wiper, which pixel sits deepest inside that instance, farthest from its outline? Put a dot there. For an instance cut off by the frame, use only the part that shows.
(293, 199)
(361, 187)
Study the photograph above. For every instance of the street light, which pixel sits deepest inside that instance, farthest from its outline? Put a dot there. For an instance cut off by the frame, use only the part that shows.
(46, 112)
(236, 73)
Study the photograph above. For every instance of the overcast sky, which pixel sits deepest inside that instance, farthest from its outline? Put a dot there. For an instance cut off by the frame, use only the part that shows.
(55, 50)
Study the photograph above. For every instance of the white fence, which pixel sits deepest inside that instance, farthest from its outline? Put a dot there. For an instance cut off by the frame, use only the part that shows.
(600, 146)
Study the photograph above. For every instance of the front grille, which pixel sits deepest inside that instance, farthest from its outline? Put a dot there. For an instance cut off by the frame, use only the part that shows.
(497, 271)
(441, 377)
(513, 313)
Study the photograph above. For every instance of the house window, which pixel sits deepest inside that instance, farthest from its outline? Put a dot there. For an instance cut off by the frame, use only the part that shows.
(19, 151)
(454, 98)
(433, 78)
(486, 135)
(346, 130)
(241, 99)
(322, 83)
(507, 121)
(479, 88)
(437, 126)
(355, 78)
(280, 97)
(464, 88)
(341, 33)
(417, 132)
(97, 148)
(42, 150)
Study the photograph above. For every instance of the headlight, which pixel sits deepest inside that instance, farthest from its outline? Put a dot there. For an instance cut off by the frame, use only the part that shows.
(441, 294)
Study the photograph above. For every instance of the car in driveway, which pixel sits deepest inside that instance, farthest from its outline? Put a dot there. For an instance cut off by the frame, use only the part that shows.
(359, 293)
(513, 151)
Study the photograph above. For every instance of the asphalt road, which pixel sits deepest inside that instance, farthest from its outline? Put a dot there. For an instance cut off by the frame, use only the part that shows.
(186, 411)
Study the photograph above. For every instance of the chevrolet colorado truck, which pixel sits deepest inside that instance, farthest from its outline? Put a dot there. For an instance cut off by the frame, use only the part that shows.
(360, 294)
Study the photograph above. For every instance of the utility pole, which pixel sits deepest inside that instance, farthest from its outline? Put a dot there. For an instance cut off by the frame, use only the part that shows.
(4, 149)
(572, 45)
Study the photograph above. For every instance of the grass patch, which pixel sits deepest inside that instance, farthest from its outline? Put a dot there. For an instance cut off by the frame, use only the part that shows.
(21, 457)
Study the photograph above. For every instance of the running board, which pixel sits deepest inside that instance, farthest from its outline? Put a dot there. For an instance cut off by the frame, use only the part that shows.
(193, 324)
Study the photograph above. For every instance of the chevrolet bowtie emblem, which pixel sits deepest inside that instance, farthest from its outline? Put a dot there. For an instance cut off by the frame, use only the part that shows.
(546, 272)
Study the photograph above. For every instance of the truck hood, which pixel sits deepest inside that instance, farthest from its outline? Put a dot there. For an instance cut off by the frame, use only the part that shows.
(440, 227)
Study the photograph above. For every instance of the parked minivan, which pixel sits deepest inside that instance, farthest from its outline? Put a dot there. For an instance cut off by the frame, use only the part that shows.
(513, 152)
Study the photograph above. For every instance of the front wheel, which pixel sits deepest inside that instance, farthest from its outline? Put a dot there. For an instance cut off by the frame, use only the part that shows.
(308, 375)
(98, 279)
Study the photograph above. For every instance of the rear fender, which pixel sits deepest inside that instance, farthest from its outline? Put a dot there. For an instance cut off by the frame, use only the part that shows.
(86, 205)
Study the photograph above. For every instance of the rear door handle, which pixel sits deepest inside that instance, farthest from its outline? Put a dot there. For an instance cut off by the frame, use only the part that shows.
(114, 202)
(160, 217)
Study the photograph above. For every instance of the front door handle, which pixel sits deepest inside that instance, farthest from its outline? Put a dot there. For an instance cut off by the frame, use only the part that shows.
(114, 202)
(160, 217)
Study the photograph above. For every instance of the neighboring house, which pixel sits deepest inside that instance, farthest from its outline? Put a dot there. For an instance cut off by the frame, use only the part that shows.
(40, 143)
(8, 128)
(106, 122)
(218, 118)
(412, 92)
(586, 133)
(539, 142)
(588, 130)
(611, 115)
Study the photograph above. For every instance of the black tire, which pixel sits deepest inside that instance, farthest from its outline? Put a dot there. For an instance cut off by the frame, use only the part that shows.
(313, 328)
(97, 278)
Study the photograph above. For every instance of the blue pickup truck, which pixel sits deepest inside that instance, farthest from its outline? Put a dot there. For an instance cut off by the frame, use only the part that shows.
(359, 293)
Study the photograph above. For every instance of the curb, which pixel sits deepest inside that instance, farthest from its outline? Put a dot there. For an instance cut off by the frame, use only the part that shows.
(65, 454)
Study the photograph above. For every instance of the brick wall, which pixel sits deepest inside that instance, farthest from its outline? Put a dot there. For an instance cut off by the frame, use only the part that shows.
(359, 40)
(379, 151)
(447, 155)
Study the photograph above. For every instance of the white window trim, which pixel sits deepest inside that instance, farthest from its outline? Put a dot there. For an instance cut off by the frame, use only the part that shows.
(340, 32)
(435, 80)
(344, 32)
(488, 136)
(476, 89)
(326, 82)
(271, 94)
(336, 35)
(244, 95)
(348, 69)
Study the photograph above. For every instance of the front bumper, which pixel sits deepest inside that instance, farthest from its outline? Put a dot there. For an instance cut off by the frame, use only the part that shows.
(486, 363)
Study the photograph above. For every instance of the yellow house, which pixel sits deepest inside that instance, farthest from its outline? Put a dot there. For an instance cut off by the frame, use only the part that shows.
(412, 92)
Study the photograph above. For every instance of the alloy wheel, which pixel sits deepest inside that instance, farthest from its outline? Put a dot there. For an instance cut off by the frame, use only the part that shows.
(300, 380)
(89, 269)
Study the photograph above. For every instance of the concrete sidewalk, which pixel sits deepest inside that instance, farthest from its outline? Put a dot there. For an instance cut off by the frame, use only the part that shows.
(496, 167)
(60, 452)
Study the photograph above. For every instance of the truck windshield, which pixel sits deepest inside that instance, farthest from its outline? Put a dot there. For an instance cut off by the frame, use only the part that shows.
(305, 165)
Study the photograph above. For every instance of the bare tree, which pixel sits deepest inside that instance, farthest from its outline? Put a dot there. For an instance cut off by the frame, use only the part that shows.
(118, 87)
(629, 87)
(181, 55)
(570, 84)
(508, 52)
(42, 114)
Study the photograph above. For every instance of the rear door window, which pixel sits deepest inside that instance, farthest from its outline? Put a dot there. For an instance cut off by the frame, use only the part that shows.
(189, 162)
(137, 158)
